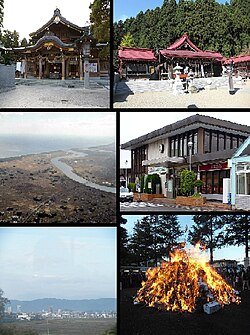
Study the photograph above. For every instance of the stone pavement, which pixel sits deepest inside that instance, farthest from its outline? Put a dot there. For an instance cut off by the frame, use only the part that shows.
(159, 94)
(57, 94)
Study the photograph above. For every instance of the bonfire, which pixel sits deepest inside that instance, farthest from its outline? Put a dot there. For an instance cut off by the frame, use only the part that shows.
(178, 285)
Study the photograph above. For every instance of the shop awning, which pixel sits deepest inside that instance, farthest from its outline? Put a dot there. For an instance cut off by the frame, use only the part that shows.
(136, 54)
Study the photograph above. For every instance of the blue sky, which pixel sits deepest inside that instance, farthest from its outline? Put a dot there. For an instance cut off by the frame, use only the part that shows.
(81, 124)
(236, 253)
(126, 9)
(68, 263)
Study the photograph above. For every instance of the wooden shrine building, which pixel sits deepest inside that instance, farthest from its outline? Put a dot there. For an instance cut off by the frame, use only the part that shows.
(136, 62)
(142, 62)
(184, 52)
(60, 50)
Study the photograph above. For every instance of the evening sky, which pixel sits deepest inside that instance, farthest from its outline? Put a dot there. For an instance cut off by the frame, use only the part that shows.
(66, 263)
(234, 252)
(130, 8)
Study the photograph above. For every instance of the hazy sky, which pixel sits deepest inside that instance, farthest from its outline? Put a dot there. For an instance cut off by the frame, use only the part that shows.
(27, 16)
(236, 253)
(84, 124)
(69, 263)
(135, 124)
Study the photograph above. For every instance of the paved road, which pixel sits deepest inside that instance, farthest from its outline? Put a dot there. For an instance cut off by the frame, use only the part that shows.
(47, 96)
(154, 207)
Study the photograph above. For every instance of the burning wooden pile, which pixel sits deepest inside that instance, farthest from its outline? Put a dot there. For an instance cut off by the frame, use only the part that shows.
(179, 284)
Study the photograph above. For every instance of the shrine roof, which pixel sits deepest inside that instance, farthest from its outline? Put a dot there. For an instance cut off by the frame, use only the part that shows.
(143, 54)
(238, 59)
(56, 18)
(191, 54)
(184, 39)
(46, 39)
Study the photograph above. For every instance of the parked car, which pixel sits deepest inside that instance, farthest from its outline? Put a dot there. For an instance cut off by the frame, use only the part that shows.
(125, 194)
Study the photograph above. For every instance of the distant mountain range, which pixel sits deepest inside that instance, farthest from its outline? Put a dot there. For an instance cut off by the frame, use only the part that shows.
(85, 305)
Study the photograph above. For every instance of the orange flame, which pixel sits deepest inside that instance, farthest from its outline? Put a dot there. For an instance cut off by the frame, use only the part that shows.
(176, 285)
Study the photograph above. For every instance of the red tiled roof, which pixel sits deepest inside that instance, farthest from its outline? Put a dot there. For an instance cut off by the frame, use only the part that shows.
(191, 54)
(183, 39)
(238, 59)
(126, 53)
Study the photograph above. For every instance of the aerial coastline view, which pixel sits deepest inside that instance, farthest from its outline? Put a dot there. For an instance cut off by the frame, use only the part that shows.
(57, 167)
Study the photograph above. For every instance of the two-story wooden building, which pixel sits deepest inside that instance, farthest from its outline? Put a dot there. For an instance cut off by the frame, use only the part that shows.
(58, 49)
(208, 141)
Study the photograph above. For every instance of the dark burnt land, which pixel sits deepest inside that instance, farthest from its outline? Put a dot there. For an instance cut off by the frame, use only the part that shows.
(32, 190)
(140, 320)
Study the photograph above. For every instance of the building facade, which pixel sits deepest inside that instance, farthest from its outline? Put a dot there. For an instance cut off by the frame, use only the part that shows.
(240, 177)
(203, 143)
(60, 50)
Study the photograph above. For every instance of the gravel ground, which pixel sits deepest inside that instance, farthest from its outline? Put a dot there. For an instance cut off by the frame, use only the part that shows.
(46, 96)
(219, 97)
(139, 320)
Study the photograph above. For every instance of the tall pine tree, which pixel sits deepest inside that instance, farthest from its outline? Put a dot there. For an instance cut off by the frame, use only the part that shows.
(207, 229)
(238, 230)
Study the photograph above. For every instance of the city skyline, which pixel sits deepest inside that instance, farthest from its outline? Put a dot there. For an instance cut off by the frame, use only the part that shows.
(62, 263)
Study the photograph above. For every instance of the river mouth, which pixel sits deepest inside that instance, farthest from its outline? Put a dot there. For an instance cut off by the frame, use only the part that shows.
(68, 171)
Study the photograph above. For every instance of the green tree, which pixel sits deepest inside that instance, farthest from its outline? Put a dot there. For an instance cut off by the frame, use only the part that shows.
(207, 229)
(100, 23)
(237, 230)
(10, 39)
(1, 13)
(3, 302)
(124, 251)
(127, 40)
(187, 182)
(154, 237)
(24, 42)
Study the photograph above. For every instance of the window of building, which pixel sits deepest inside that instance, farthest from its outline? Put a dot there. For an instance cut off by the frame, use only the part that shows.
(185, 146)
(176, 147)
(214, 142)
(172, 148)
(228, 142)
(234, 142)
(195, 150)
(181, 147)
(206, 141)
(221, 141)
(243, 179)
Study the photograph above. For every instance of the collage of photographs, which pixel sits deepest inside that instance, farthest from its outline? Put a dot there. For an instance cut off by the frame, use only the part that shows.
(125, 167)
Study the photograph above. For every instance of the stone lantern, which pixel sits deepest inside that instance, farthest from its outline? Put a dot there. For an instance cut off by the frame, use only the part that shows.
(86, 55)
(178, 87)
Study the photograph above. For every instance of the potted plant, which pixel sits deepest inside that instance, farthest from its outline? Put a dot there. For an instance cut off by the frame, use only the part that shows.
(188, 187)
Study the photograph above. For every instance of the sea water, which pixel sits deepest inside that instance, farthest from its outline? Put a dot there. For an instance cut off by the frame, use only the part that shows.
(18, 145)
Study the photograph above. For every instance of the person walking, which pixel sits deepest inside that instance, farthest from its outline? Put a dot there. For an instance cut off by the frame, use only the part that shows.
(245, 280)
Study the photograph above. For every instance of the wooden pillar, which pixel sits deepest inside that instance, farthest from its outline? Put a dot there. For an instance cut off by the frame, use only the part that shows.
(67, 68)
(63, 67)
(25, 68)
(40, 68)
(86, 72)
(80, 67)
